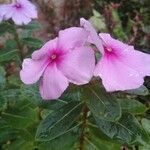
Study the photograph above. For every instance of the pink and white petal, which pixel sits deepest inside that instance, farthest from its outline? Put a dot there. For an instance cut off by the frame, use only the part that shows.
(32, 70)
(31, 13)
(45, 50)
(6, 11)
(20, 19)
(29, 9)
(71, 38)
(93, 36)
(137, 60)
(78, 65)
(53, 84)
(112, 43)
(117, 76)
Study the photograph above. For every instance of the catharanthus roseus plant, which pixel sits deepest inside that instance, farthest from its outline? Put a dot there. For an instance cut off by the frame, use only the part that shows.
(75, 89)
(60, 61)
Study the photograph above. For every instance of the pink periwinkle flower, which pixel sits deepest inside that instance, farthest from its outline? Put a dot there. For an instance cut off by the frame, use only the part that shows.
(20, 11)
(121, 66)
(60, 61)
(1, 17)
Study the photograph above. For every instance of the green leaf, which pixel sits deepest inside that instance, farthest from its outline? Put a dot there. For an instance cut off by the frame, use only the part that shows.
(6, 56)
(10, 44)
(132, 106)
(146, 124)
(118, 29)
(98, 21)
(32, 42)
(96, 140)
(142, 90)
(6, 27)
(16, 120)
(21, 144)
(32, 26)
(31, 94)
(10, 95)
(25, 134)
(2, 78)
(64, 142)
(126, 130)
(59, 122)
(102, 104)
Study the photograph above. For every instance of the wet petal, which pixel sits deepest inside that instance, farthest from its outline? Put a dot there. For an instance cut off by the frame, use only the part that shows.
(93, 36)
(71, 38)
(78, 65)
(53, 84)
(32, 70)
(116, 75)
(137, 60)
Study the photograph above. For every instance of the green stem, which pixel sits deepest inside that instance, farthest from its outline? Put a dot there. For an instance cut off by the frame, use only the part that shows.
(83, 127)
(19, 44)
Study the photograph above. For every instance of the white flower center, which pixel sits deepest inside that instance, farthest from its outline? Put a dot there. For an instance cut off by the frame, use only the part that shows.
(53, 56)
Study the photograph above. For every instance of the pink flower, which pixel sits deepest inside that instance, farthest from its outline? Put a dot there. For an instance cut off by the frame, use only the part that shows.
(21, 11)
(60, 61)
(121, 66)
(1, 17)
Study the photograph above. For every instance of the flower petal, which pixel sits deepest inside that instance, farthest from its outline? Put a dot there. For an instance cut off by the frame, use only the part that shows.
(78, 65)
(28, 8)
(32, 70)
(137, 60)
(44, 51)
(72, 37)
(20, 19)
(112, 43)
(53, 83)
(116, 75)
(93, 36)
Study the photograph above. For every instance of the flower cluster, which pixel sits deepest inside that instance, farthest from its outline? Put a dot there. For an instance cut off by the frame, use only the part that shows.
(20, 11)
(69, 58)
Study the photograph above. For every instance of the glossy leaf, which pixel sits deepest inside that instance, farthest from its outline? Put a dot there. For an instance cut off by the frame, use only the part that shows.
(146, 124)
(59, 122)
(102, 104)
(126, 130)
(132, 106)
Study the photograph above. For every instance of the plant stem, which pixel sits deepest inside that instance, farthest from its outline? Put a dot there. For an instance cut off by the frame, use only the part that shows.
(19, 44)
(83, 127)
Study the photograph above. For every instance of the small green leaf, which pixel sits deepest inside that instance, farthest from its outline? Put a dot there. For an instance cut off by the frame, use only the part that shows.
(10, 94)
(59, 122)
(16, 120)
(2, 78)
(146, 124)
(32, 42)
(98, 21)
(132, 106)
(6, 56)
(31, 26)
(64, 142)
(142, 90)
(6, 27)
(126, 130)
(102, 104)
